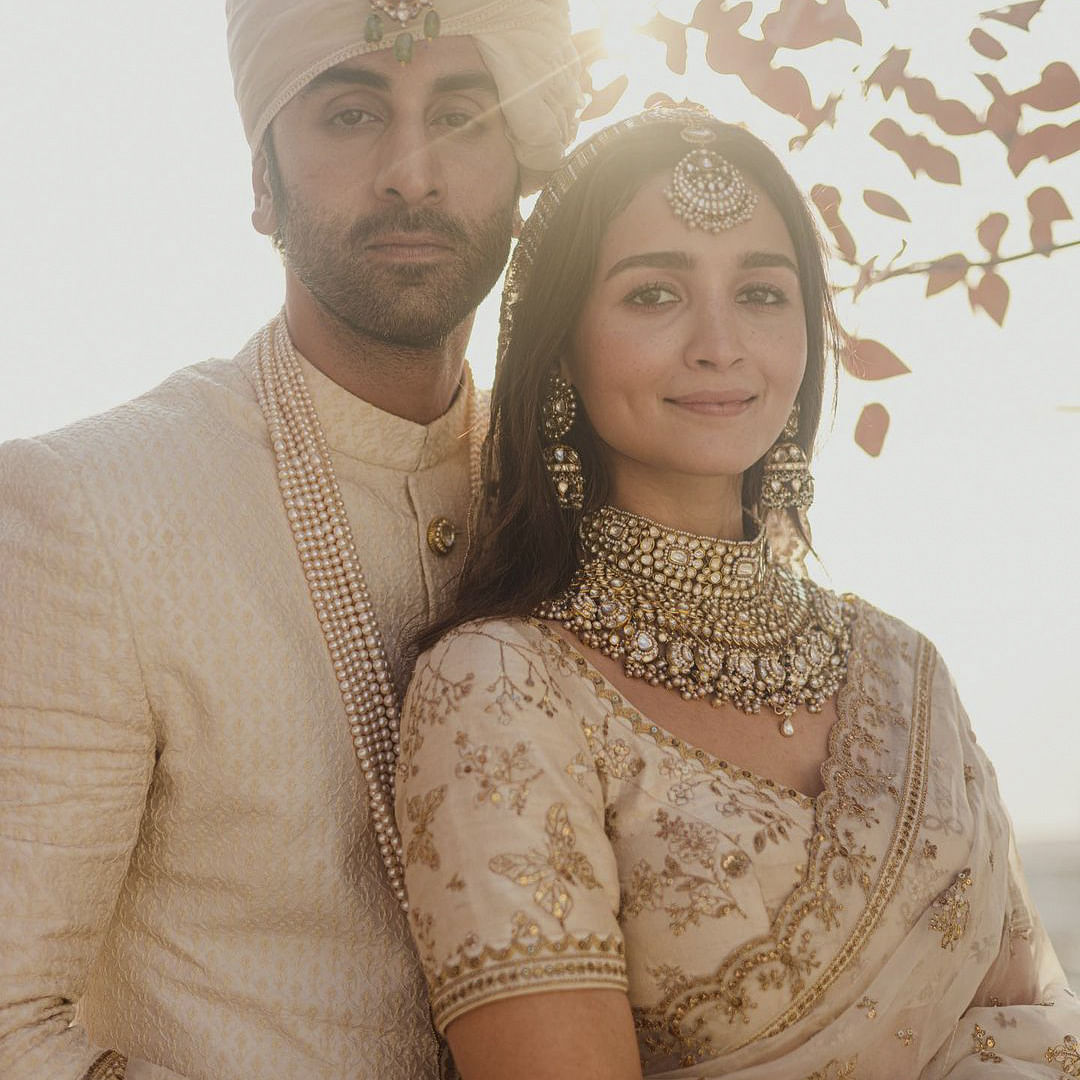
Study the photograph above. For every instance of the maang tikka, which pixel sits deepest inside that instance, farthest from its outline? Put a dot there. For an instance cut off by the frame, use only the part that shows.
(707, 191)
(786, 480)
(562, 461)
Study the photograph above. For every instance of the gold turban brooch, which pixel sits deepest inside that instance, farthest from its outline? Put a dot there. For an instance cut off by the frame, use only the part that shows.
(276, 47)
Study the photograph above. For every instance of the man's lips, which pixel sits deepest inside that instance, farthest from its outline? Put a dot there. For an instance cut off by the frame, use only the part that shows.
(409, 245)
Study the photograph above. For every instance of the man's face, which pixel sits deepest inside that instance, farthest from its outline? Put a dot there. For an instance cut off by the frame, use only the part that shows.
(391, 191)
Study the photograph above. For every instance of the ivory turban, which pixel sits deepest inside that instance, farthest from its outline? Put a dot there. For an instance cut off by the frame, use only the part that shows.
(276, 47)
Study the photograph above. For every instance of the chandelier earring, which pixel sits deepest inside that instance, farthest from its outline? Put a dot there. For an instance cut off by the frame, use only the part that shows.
(786, 480)
(562, 461)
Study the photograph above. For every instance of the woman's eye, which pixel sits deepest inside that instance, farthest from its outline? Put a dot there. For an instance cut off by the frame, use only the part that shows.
(762, 294)
(652, 296)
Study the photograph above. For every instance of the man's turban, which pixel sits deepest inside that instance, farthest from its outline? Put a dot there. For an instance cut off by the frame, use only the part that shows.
(276, 47)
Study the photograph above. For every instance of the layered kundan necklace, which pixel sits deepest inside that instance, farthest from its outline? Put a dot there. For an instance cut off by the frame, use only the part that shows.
(324, 542)
(705, 617)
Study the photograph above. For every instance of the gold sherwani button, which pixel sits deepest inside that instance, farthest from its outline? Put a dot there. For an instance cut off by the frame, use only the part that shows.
(441, 535)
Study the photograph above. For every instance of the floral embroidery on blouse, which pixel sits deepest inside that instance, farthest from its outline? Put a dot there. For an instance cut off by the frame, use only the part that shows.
(421, 810)
(502, 776)
(553, 872)
(693, 882)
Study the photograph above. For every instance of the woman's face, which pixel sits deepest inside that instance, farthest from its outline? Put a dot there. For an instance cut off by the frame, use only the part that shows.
(691, 345)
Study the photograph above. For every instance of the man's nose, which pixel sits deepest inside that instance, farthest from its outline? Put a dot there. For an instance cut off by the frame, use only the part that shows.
(409, 170)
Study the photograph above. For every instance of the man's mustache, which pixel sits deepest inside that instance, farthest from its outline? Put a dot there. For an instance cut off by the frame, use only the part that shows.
(422, 220)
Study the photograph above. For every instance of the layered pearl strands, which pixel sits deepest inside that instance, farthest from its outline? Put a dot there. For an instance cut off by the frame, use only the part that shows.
(705, 617)
(339, 593)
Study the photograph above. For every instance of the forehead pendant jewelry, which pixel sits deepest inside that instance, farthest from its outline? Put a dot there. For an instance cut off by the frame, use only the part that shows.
(401, 12)
(707, 191)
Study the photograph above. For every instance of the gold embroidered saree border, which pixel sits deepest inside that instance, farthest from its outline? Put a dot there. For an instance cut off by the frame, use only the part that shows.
(109, 1066)
(571, 963)
(907, 827)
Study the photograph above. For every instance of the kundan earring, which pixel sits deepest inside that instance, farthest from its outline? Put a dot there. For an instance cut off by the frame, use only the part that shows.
(786, 480)
(561, 461)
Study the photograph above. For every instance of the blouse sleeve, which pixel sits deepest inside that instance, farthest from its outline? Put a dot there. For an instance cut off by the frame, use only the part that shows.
(512, 881)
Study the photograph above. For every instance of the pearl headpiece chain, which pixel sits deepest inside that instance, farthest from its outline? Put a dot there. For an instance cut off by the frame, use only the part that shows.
(339, 592)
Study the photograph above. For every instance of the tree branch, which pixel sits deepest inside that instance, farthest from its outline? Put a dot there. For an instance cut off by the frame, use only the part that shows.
(876, 277)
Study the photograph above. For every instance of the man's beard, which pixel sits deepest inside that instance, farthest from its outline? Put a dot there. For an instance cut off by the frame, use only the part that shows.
(412, 305)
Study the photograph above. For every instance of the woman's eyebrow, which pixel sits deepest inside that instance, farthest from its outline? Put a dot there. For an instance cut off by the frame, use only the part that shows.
(659, 260)
(758, 260)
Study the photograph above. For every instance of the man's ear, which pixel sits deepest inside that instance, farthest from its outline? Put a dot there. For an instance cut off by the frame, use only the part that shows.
(264, 216)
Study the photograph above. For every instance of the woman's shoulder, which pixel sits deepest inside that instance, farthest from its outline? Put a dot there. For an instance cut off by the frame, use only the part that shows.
(490, 650)
(873, 623)
(484, 638)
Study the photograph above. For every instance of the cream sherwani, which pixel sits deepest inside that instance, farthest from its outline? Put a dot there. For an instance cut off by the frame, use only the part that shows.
(187, 872)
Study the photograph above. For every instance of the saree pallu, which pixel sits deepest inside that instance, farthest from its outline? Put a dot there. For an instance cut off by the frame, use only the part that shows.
(557, 839)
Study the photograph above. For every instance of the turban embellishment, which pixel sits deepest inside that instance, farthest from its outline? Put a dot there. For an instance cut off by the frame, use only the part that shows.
(404, 11)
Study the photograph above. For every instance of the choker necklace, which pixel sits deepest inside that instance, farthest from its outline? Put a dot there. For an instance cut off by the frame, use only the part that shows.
(706, 617)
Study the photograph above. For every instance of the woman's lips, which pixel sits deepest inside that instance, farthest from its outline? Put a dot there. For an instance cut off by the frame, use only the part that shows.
(722, 404)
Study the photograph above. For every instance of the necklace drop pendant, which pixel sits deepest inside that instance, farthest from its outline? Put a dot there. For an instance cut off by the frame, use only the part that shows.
(787, 728)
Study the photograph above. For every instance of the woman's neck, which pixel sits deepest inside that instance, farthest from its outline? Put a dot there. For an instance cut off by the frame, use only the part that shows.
(706, 506)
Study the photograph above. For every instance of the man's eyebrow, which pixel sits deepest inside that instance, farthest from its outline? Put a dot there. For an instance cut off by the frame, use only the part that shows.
(659, 260)
(347, 76)
(758, 260)
(465, 80)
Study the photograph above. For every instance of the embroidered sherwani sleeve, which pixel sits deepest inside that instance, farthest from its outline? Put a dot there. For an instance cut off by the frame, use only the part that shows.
(512, 881)
(76, 754)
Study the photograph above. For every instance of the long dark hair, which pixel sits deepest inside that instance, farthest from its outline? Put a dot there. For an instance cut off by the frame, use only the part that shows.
(525, 547)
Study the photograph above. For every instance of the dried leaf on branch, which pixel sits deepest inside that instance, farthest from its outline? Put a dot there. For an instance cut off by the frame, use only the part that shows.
(1046, 206)
(1019, 15)
(827, 200)
(884, 204)
(870, 360)
(946, 272)
(991, 295)
(986, 45)
(871, 428)
(991, 230)
(918, 153)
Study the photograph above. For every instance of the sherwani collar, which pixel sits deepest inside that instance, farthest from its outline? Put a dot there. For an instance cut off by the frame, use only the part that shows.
(360, 430)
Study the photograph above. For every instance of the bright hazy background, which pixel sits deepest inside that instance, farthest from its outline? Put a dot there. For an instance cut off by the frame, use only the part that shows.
(125, 206)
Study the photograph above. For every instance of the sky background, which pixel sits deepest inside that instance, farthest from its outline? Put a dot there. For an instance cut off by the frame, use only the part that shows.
(126, 202)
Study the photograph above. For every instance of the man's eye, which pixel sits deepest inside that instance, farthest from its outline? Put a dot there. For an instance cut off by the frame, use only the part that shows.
(762, 294)
(352, 118)
(457, 120)
(651, 296)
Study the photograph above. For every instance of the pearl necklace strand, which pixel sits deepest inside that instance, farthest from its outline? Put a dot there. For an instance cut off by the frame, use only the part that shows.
(339, 592)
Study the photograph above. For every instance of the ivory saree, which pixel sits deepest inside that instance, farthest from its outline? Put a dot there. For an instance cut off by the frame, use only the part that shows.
(556, 839)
